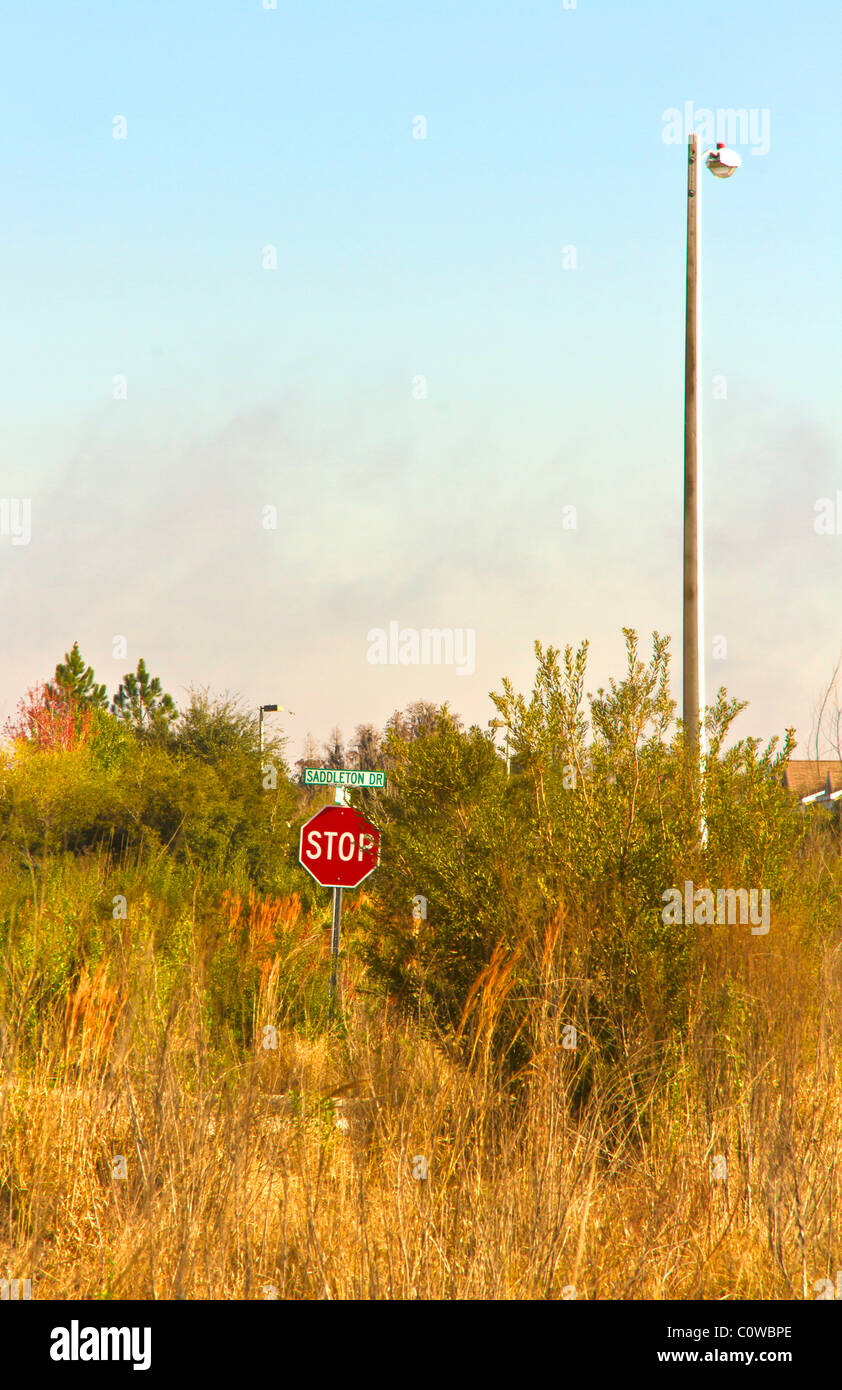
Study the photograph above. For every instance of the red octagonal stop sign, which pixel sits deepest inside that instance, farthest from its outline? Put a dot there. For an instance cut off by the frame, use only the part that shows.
(339, 847)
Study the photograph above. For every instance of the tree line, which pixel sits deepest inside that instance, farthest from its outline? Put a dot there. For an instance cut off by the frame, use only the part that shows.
(66, 708)
(561, 864)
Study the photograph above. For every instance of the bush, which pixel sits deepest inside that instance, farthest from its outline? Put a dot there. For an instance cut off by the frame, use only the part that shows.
(569, 861)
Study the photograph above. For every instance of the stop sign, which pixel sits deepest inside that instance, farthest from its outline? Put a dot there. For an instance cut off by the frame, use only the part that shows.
(339, 847)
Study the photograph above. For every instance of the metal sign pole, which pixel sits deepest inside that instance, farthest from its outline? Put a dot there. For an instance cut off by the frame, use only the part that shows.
(334, 946)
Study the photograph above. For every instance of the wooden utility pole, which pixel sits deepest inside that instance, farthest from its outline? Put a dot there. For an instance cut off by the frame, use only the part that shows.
(691, 651)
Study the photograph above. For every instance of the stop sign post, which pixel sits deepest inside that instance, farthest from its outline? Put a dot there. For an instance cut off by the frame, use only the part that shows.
(339, 848)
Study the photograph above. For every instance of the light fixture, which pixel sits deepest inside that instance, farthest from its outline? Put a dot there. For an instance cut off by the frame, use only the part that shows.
(723, 163)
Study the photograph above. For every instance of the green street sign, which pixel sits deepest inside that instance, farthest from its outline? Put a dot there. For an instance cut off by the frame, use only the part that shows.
(342, 777)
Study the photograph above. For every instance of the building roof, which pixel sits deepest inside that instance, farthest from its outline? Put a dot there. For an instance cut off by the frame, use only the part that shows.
(804, 776)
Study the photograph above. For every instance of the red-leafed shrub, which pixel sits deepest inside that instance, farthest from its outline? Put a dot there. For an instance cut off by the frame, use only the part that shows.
(48, 720)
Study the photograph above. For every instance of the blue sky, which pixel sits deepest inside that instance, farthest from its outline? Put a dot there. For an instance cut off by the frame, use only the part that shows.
(400, 258)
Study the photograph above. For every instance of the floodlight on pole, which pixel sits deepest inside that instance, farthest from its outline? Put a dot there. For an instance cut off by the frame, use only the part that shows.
(722, 163)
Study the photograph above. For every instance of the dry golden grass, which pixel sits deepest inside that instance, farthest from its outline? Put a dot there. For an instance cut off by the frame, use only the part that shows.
(291, 1172)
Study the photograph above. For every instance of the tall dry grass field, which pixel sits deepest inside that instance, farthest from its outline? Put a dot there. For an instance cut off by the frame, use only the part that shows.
(145, 1154)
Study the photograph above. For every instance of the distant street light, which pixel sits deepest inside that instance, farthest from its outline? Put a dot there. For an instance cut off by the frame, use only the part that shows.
(266, 709)
(722, 164)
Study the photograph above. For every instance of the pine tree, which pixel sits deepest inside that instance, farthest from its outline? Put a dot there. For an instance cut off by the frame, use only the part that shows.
(74, 684)
(142, 702)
